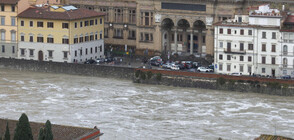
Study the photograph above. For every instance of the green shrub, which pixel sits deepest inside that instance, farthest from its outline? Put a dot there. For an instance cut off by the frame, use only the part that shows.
(149, 74)
(158, 76)
(285, 86)
(137, 73)
(273, 85)
(232, 82)
(142, 75)
(241, 81)
(221, 81)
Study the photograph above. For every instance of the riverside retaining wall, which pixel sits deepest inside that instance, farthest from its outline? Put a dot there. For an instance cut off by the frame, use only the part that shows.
(168, 78)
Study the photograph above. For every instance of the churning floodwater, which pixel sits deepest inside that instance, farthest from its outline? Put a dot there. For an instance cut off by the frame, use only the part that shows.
(124, 110)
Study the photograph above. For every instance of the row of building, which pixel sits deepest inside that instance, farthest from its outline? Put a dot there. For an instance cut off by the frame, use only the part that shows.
(38, 31)
(261, 42)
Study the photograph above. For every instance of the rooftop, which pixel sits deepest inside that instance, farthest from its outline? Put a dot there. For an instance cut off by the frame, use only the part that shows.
(8, 1)
(67, 13)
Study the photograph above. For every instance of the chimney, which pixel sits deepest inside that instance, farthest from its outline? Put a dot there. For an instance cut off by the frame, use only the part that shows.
(283, 8)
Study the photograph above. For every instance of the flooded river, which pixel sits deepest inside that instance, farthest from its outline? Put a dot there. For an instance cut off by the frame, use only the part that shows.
(124, 110)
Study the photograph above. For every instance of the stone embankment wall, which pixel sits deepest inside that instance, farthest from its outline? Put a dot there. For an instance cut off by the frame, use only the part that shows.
(169, 78)
(68, 68)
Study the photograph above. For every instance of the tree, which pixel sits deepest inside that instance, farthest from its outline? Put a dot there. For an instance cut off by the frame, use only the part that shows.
(23, 129)
(48, 131)
(41, 134)
(7, 134)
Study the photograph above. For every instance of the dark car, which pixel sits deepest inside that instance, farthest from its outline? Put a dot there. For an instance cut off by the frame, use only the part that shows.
(211, 67)
(90, 61)
(156, 62)
(286, 77)
(108, 59)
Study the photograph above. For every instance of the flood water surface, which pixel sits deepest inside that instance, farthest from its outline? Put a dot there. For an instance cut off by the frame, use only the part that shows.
(124, 110)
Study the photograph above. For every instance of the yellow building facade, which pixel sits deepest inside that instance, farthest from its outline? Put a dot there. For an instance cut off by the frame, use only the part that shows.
(61, 34)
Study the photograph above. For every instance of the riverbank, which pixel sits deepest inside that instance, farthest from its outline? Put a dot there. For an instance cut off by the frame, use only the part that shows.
(168, 78)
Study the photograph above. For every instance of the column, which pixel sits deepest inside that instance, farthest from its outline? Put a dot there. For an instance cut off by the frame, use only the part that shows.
(200, 42)
(191, 42)
(176, 40)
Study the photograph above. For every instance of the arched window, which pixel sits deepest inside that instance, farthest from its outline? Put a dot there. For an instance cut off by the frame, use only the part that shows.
(285, 62)
(285, 49)
(65, 40)
(50, 39)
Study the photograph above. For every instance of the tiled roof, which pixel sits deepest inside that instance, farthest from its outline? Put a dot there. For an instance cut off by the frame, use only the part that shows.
(8, 1)
(290, 19)
(60, 132)
(45, 13)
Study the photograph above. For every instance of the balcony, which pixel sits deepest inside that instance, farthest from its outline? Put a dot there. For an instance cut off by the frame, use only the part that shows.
(234, 51)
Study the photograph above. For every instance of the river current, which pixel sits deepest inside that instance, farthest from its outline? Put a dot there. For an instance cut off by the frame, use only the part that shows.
(124, 110)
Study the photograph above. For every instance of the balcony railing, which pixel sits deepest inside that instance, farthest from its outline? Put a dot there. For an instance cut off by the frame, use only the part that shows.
(234, 51)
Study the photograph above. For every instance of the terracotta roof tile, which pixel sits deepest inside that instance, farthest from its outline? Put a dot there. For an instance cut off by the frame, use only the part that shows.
(8, 1)
(290, 19)
(45, 13)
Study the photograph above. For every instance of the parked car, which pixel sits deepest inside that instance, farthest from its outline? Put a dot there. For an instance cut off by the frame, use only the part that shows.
(175, 67)
(108, 59)
(286, 77)
(196, 64)
(204, 69)
(155, 62)
(100, 60)
(90, 61)
(166, 65)
(187, 64)
(236, 74)
(158, 58)
(211, 67)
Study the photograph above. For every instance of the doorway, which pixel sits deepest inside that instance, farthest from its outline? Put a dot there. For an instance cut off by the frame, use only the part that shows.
(40, 56)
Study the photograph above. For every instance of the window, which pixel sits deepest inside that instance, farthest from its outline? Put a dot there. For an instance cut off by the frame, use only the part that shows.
(3, 49)
(50, 25)
(241, 68)
(76, 25)
(249, 58)
(100, 35)
(81, 24)
(221, 44)
(146, 18)
(263, 60)
(22, 52)
(13, 35)
(101, 21)
(39, 24)
(96, 36)
(96, 21)
(285, 50)
(12, 8)
(229, 31)
(105, 32)
(241, 46)
(76, 40)
(118, 33)
(264, 35)
(2, 35)
(249, 32)
(273, 48)
(91, 50)
(31, 52)
(273, 35)
(76, 53)
(65, 41)
(64, 25)
(221, 31)
(50, 54)
(31, 38)
(249, 68)
(106, 12)
(285, 62)
(228, 67)
(40, 39)
(132, 16)
(220, 57)
(250, 46)
(91, 37)
(228, 57)
(22, 23)
(132, 34)
(273, 60)
(263, 70)
(118, 15)
(86, 37)
(91, 22)
(64, 55)
(146, 37)
(13, 49)
(241, 32)
(220, 67)
(86, 51)
(12, 21)
(2, 20)
(263, 47)
(21, 37)
(100, 48)
(2, 7)
(86, 23)
(31, 23)
(241, 58)
(96, 49)
(81, 52)
(81, 39)
(50, 40)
